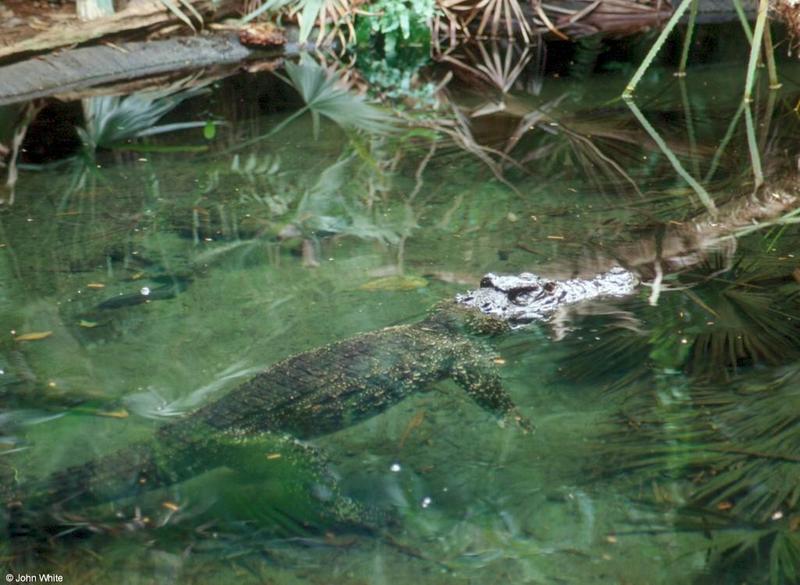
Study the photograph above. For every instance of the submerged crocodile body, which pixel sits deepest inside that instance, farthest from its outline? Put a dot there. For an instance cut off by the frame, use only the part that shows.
(319, 392)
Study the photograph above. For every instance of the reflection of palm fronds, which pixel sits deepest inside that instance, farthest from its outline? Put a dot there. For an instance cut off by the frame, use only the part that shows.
(583, 149)
(501, 71)
(591, 158)
(740, 447)
(324, 94)
(617, 347)
(489, 13)
(733, 450)
(111, 119)
(746, 319)
(457, 129)
(747, 444)
(720, 320)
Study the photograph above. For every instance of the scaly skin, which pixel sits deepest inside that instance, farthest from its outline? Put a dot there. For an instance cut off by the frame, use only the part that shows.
(311, 394)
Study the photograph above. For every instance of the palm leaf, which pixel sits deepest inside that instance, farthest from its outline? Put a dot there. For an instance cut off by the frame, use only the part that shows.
(324, 97)
(111, 119)
(173, 7)
(266, 6)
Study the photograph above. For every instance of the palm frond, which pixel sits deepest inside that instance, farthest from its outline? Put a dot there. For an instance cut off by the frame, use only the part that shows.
(173, 6)
(324, 96)
(112, 119)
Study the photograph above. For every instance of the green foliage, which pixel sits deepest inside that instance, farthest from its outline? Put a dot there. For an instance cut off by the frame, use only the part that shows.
(209, 130)
(393, 46)
(393, 24)
(398, 79)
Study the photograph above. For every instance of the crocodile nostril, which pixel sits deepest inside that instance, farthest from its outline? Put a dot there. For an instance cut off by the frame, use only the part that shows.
(486, 282)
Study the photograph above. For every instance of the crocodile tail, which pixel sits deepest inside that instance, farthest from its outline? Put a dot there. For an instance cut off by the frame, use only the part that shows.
(118, 475)
(30, 507)
(111, 477)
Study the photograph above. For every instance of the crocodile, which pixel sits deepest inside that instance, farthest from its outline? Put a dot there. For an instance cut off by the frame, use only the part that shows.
(321, 391)
(327, 389)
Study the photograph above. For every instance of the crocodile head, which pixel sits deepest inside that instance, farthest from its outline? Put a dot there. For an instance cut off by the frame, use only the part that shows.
(523, 298)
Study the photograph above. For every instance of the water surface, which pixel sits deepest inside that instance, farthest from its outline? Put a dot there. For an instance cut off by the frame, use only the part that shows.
(255, 247)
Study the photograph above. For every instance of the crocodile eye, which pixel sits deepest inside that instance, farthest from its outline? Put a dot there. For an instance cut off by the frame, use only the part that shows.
(486, 282)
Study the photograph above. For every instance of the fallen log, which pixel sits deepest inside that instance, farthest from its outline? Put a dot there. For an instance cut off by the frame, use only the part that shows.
(139, 16)
(77, 69)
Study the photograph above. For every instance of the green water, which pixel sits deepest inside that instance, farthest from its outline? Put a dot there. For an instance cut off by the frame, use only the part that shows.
(269, 248)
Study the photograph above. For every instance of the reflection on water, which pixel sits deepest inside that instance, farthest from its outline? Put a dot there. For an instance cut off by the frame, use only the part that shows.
(143, 277)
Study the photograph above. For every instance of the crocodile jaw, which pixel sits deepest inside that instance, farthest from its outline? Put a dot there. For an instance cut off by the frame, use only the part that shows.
(524, 298)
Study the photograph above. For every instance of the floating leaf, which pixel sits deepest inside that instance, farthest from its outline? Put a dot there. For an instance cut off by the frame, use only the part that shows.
(394, 283)
(33, 336)
(88, 324)
(209, 130)
(95, 285)
(121, 413)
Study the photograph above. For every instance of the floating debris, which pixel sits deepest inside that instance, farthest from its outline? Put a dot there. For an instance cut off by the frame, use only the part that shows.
(395, 283)
(33, 336)
(121, 413)
(414, 423)
(262, 35)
